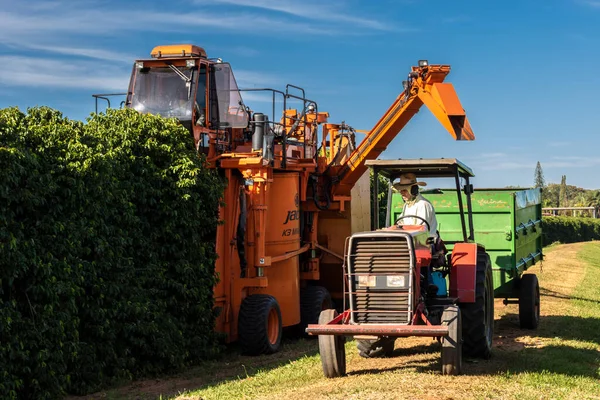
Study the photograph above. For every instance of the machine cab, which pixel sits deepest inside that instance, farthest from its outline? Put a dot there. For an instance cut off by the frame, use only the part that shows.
(179, 81)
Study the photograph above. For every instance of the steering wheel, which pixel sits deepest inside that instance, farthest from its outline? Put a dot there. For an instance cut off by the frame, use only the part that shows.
(414, 216)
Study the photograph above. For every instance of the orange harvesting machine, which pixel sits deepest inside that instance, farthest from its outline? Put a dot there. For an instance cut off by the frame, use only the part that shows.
(288, 198)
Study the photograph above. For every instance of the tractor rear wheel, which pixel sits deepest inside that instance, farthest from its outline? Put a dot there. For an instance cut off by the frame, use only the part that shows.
(452, 344)
(383, 347)
(529, 302)
(313, 300)
(478, 317)
(259, 325)
(331, 348)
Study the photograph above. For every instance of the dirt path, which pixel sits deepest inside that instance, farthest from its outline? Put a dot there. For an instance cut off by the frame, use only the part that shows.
(414, 368)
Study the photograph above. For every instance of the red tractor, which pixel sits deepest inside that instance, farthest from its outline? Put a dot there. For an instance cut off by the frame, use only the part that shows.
(399, 281)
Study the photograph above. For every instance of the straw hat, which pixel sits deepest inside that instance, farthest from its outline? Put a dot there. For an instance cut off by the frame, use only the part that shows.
(406, 181)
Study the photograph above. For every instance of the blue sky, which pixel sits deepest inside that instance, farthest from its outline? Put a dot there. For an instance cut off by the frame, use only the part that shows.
(525, 71)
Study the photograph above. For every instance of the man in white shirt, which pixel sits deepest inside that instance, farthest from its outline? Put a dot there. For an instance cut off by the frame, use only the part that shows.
(415, 203)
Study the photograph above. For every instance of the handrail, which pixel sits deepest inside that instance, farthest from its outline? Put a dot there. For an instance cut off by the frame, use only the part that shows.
(104, 96)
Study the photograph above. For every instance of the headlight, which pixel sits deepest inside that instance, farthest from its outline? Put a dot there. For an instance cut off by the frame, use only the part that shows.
(396, 281)
(367, 281)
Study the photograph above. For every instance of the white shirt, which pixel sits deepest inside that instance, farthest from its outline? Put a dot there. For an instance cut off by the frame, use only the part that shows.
(420, 207)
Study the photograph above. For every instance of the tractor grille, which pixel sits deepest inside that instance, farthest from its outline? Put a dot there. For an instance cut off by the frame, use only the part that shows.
(380, 256)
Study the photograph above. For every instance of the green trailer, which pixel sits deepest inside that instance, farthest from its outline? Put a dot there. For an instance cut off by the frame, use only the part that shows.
(507, 222)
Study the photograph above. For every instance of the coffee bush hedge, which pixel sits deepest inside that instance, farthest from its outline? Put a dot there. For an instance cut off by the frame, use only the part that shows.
(569, 229)
(107, 250)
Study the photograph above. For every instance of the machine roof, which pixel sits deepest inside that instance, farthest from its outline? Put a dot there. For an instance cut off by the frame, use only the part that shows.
(421, 167)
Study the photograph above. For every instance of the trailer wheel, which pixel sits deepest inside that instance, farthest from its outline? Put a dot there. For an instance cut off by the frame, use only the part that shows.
(313, 300)
(478, 317)
(383, 347)
(259, 325)
(452, 344)
(331, 348)
(529, 302)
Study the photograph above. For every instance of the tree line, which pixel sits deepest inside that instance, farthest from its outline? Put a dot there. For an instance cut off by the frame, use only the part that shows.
(565, 195)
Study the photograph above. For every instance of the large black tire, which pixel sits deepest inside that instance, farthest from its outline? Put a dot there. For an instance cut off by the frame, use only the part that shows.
(529, 302)
(313, 300)
(452, 344)
(259, 325)
(331, 348)
(478, 317)
(383, 347)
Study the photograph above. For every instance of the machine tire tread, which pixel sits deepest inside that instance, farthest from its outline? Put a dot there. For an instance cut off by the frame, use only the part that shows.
(529, 302)
(253, 327)
(313, 300)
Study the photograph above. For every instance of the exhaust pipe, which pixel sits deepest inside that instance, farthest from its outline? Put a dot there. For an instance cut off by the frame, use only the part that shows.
(259, 131)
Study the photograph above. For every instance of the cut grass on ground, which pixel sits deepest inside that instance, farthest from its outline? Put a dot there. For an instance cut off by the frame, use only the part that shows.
(560, 360)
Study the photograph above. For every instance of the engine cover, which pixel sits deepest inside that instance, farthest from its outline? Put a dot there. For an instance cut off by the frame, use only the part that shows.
(380, 270)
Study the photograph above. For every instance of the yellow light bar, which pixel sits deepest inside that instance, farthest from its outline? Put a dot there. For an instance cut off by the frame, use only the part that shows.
(178, 50)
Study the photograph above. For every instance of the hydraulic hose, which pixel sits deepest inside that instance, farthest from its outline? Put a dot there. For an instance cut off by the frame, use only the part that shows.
(241, 234)
(316, 195)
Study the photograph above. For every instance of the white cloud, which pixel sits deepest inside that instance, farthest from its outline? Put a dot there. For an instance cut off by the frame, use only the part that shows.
(42, 72)
(34, 24)
(590, 3)
(44, 39)
(316, 10)
(66, 44)
(99, 54)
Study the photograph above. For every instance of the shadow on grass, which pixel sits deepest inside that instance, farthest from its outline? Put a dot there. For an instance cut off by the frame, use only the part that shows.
(553, 326)
(418, 367)
(552, 293)
(519, 350)
(229, 366)
(431, 364)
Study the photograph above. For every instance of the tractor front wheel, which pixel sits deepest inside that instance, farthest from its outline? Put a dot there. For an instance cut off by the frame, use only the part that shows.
(478, 317)
(452, 344)
(259, 325)
(529, 302)
(331, 348)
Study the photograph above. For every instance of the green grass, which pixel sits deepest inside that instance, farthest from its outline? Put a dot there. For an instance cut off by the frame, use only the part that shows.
(561, 360)
(571, 356)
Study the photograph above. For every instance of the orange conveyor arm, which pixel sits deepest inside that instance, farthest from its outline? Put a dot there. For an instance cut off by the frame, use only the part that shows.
(424, 86)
